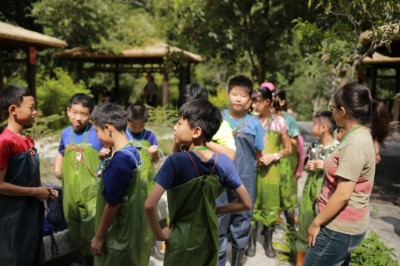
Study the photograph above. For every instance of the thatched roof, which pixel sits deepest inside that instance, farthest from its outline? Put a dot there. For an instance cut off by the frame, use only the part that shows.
(365, 37)
(159, 50)
(378, 58)
(19, 36)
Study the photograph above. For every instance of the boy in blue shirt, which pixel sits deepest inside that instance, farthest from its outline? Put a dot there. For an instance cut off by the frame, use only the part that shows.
(249, 138)
(76, 163)
(193, 181)
(146, 143)
(118, 238)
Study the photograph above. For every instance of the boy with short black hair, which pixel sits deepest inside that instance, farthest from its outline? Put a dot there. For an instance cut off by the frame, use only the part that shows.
(120, 222)
(76, 163)
(21, 193)
(193, 181)
(323, 127)
(249, 138)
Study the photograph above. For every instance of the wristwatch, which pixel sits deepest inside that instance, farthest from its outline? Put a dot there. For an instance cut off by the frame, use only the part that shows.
(277, 157)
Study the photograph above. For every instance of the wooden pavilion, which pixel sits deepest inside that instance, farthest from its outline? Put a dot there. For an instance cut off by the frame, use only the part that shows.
(16, 38)
(159, 58)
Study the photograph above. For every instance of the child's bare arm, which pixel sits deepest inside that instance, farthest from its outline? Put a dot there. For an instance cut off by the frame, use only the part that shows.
(150, 207)
(6, 188)
(241, 204)
(218, 148)
(109, 214)
(58, 165)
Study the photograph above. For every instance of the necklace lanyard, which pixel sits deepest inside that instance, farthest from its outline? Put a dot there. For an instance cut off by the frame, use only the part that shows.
(241, 123)
(351, 131)
(84, 138)
(199, 148)
(142, 135)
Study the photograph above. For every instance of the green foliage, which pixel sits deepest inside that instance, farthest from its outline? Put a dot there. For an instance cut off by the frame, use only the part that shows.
(287, 249)
(42, 128)
(101, 25)
(160, 116)
(53, 94)
(373, 252)
(220, 99)
(336, 36)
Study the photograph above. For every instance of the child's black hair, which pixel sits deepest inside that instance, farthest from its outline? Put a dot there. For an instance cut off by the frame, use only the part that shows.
(265, 93)
(13, 94)
(241, 81)
(111, 114)
(280, 94)
(203, 114)
(82, 99)
(190, 92)
(327, 116)
(137, 111)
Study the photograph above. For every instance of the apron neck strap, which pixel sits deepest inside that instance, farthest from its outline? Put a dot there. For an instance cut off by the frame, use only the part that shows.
(194, 165)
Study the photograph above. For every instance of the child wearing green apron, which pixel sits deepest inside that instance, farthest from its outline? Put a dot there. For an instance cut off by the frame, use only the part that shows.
(146, 143)
(323, 127)
(76, 163)
(120, 232)
(193, 181)
(267, 201)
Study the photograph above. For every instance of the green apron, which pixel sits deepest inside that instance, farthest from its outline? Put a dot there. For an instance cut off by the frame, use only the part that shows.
(288, 186)
(147, 171)
(194, 237)
(128, 239)
(311, 190)
(79, 193)
(21, 218)
(266, 205)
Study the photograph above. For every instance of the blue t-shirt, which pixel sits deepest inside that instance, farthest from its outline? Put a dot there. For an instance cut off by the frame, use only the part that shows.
(144, 135)
(118, 173)
(292, 125)
(178, 169)
(248, 124)
(77, 138)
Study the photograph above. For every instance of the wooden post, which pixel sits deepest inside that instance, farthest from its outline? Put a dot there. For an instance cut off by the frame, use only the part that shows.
(31, 69)
(2, 115)
(116, 82)
(374, 74)
(165, 89)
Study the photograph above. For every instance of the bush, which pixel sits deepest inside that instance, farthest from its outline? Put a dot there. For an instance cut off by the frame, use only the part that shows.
(53, 94)
(373, 252)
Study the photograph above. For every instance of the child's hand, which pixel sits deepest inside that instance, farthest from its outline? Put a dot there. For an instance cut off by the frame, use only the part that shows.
(166, 231)
(266, 159)
(319, 164)
(104, 153)
(53, 194)
(96, 246)
(153, 149)
(310, 165)
(42, 193)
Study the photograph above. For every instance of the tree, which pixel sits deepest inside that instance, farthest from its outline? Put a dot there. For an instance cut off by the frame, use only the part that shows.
(237, 28)
(334, 36)
(100, 25)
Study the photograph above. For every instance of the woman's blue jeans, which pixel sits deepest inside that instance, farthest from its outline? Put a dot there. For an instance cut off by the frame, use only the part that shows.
(332, 248)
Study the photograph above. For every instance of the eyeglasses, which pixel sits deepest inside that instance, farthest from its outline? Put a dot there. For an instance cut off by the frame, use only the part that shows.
(331, 107)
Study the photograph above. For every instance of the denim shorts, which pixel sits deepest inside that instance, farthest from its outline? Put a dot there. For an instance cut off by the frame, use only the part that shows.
(332, 248)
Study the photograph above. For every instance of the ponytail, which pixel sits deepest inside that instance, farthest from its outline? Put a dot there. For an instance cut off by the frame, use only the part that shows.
(380, 121)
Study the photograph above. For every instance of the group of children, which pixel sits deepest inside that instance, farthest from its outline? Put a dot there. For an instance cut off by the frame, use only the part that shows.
(111, 190)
